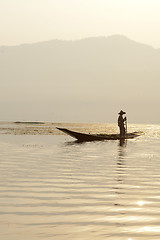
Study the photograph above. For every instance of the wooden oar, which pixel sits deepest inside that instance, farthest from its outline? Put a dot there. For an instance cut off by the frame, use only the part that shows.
(126, 126)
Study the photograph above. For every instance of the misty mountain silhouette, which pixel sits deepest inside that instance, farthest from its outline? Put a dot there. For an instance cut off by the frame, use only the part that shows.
(83, 80)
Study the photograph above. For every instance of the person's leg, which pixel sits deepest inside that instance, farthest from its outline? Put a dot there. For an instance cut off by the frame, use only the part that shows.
(123, 131)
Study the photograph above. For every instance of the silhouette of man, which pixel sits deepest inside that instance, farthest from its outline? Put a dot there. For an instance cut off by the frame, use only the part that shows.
(121, 121)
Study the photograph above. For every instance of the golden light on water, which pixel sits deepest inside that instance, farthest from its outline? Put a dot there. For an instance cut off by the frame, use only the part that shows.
(150, 229)
(141, 203)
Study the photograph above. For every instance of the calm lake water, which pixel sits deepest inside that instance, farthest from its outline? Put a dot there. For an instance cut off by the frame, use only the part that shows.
(54, 188)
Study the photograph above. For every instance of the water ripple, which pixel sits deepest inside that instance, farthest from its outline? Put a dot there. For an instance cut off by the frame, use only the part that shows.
(52, 190)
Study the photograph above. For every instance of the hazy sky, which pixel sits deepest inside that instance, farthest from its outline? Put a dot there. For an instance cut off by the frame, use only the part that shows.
(27, 21)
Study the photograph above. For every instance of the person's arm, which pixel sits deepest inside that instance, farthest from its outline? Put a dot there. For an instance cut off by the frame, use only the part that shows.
(125, 119)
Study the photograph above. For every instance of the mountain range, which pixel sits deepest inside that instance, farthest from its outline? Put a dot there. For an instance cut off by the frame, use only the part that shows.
(86, 80)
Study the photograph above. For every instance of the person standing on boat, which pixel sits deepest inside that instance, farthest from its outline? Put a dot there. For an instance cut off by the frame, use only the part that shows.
(121, 122)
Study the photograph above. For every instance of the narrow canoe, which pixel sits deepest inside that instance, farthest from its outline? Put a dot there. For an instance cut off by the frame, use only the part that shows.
(97, 137)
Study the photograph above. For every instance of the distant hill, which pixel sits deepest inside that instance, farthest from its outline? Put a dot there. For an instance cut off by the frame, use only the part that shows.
(84, 80)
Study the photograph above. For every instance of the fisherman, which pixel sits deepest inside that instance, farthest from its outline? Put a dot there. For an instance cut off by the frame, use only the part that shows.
(121, 121)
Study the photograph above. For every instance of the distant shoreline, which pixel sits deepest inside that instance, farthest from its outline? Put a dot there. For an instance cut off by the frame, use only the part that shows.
(30, 122)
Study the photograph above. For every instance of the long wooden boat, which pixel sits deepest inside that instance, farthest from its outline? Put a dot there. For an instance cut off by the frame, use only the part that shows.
(97, 137)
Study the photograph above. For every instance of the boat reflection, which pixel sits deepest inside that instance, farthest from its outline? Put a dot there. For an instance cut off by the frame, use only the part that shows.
(76, 142)
(121, 148)
(120, 170)
(121, 142)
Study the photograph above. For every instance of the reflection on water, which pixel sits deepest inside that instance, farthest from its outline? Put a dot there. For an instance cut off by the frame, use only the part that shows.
(53, 188)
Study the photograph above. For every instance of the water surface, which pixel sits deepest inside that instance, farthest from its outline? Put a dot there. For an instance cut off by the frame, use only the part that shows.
(53, 188)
